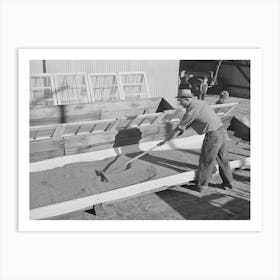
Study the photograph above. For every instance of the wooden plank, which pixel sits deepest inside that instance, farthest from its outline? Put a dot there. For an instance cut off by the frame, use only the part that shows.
(43, 132)
(119, 194)
(101, 140)
(89, 142)
(46, 145)
(58, 131)
(92, 111)
(64, 114)
(223, 109)
(107, 151)
(116, 139)
(240, 129)
(40, 156)
(147, 85)
(127, 108)
(87, 149)
(112, 138)
(77, 128)
(121, 145)
(43, 127)
(125, 112)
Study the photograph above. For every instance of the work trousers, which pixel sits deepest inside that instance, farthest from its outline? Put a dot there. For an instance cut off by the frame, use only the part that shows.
(214, 148)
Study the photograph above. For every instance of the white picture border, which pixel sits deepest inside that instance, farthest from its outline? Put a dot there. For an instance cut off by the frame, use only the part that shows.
(254, 55)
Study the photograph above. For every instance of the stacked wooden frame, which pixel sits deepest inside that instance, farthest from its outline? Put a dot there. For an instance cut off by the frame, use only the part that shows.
(48, 89)
(72, 129)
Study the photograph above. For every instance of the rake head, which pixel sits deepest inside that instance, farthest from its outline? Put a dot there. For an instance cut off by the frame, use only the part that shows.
(102, 176)
(128, 166)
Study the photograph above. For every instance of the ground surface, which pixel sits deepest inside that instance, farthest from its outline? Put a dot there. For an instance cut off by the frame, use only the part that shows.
(180, 202)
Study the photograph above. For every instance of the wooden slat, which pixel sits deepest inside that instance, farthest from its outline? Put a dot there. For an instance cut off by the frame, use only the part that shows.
(87, 149)
(146, 119)
(46, 145)
(45, 149)
(223, 107)
(240, 129)
(129, 108)
(43, 127)
(39, 156)
(58, 131)
(87, 141)
(94, 127)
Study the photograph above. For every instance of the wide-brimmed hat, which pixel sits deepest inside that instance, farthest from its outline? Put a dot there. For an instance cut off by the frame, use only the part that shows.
(184, 93)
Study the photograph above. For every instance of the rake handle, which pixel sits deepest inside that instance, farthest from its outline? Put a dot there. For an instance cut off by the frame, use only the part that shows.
(146, 152)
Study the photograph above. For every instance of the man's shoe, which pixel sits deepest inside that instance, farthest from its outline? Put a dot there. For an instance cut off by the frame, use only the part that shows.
(228, 185)
(194, 181)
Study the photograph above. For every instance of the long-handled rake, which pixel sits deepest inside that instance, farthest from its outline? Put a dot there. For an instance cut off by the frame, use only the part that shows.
(101, 173)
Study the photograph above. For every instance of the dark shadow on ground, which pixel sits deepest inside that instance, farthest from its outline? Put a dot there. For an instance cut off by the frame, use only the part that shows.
(167, 163)
(208, 207)
(217, 186)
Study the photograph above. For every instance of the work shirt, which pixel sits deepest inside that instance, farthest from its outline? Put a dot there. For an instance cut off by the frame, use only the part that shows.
(200, 117)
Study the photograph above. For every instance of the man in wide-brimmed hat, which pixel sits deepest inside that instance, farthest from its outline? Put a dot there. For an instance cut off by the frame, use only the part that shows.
(200, 117)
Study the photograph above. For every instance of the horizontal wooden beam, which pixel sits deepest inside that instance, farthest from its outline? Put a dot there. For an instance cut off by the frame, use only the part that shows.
(92, 111)
(120, 194)
(190, 143)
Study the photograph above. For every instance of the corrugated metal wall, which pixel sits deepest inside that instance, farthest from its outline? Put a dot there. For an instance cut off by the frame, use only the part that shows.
(162, 75)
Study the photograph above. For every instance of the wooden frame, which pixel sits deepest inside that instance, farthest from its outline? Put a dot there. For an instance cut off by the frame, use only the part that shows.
(121, 193)
(108, 126)
(230, 107)
(34, 131)
(50, 87)
(59, 130)
(117, 85)
(144, 82)
(146, 119)
(58, 87)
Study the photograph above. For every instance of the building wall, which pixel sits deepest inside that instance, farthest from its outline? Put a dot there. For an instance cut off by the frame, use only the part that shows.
(236, 82)
(162, 75)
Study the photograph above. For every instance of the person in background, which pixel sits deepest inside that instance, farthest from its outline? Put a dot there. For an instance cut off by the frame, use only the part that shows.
(203, 88)
(200, 117)
(185, 83)
(223, 96)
